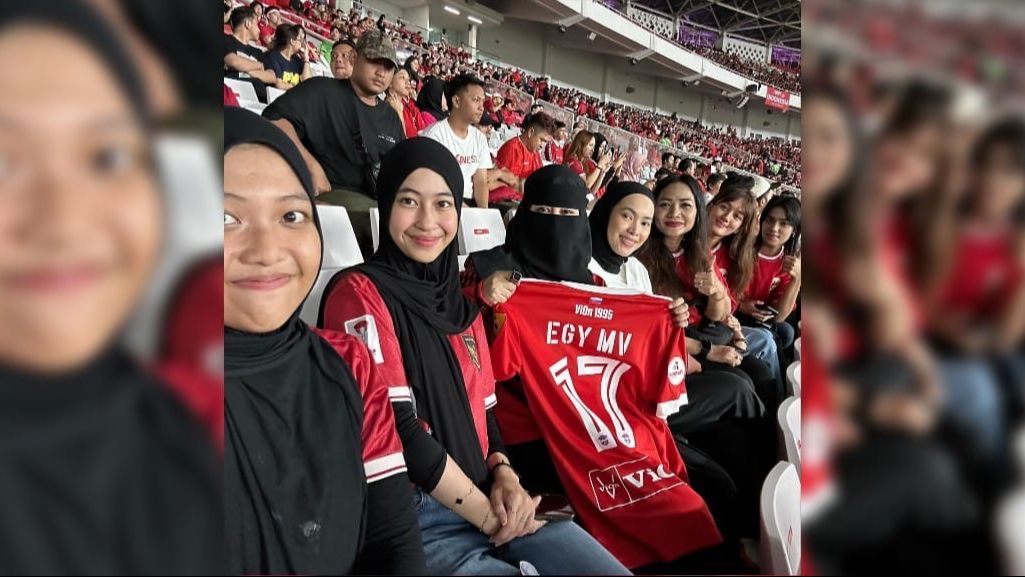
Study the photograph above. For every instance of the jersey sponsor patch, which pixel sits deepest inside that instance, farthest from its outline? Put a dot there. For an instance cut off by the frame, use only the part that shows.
(677, 370)
(627, 483)
(365, 328)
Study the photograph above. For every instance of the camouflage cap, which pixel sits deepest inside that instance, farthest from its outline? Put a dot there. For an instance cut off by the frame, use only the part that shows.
(375, 45)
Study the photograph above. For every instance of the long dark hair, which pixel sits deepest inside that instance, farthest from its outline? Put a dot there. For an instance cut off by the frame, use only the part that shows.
(284, 34)
(741, 244)
(792, 207)
(1009, 134)
(656, 257)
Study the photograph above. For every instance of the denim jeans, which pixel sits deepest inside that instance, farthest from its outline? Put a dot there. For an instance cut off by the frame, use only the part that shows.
(761, 344)
(973, 400)
(455, 547)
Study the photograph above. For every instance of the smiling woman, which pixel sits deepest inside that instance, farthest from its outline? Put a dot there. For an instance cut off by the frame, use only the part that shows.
(338, 475)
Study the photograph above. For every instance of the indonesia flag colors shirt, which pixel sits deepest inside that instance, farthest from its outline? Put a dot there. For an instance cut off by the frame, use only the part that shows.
(382, 449)
(768, 282)
(601, 370)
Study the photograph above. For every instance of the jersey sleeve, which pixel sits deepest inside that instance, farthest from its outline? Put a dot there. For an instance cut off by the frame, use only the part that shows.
(505, 351)
(382, 449)
(354, 307)
(670, 351)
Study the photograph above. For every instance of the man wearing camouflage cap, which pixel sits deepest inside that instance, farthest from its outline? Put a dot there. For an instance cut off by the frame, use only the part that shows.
(343, 128)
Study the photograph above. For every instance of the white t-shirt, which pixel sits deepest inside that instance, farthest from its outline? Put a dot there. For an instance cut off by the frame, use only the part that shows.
(632, 275)
(472, 153)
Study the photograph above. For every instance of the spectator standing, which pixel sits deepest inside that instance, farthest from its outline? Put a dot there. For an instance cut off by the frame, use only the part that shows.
(342, 129)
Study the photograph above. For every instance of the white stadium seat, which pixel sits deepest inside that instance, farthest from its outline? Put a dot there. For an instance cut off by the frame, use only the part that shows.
(780, 544)
(794, 379)
(340, 251)
(797, 349)
(480, 229)
(789, 418)
(1010, 518)
(375, 226)
(246, 94)
(273, 94)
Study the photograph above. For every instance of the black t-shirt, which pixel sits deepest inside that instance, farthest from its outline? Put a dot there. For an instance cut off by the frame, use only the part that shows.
(289, 71)
(233, 46)
(324, 113)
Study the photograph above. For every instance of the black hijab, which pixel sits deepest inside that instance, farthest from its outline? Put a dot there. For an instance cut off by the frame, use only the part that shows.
(430, 97)
(295, 489)
(599, 220)
(427, 305)
(545, 246)
(102, 470)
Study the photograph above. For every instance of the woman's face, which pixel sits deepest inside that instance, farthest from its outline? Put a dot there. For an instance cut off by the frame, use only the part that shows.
(1001, 184)
(589, 148)
(675, 211)
(80, 222)
(907, 163)
(725, 218)
(630, 224)
(423, 220)
(776, 229)
(271, 246)
(400, 83)
(827, 150)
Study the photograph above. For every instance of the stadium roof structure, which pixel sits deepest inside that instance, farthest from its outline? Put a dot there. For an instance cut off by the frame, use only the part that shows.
(768, 21)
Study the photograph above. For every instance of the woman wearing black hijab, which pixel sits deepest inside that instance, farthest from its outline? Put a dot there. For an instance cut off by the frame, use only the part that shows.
(102, 470)
(430, 346)
(314, 477)
(430, 101)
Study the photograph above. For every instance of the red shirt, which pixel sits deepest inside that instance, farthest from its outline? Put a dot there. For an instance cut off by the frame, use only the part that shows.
(356, 307)
(413, 121)
(554, 152)
(769, 282)
(690, 294)
(722, 265)
(605, 368)
(515, 156)
(986, 273)
(382, 449)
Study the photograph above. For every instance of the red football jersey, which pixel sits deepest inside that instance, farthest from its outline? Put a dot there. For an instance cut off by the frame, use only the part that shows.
(355, 306)
(769, 282)
(382, 448)
(602, 369)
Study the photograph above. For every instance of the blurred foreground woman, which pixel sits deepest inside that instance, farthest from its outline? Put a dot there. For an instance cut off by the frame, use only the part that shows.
(102, 470)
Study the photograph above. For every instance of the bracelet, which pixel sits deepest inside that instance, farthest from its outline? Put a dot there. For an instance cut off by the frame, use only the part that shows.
(484, 523)
(459, 501)
(504, 464)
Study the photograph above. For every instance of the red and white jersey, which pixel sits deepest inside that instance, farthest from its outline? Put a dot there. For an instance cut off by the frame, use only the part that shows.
(382, 448)
(601, 370)
(768, 281)
(355, 306)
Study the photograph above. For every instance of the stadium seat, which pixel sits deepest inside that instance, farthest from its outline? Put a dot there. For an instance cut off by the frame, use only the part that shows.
(794, 379)
(462, 262)
(480, 229)
(1011, 539)
(273, 94)
(780, 544)
(1019, 450)
(340, 251)
(789, 418)
(797, 349)
(375, 226)
(246, 95)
